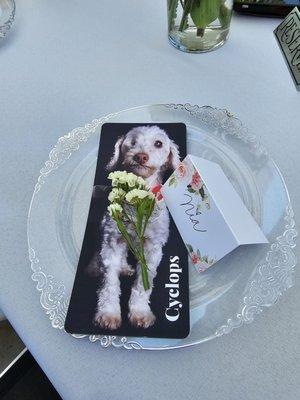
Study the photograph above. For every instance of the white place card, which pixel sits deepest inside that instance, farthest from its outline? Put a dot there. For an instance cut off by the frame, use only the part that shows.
(209, 214)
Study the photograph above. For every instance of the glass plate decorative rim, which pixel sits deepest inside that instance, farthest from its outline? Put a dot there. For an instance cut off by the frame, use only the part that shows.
(6, 21)
(285, 241)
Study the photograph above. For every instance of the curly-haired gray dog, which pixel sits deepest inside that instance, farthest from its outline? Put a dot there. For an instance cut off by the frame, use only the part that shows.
(146, 151)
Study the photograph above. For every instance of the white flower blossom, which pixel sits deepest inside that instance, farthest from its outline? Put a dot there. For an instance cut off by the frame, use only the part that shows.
(138, 194)
(141, 182)
(116, 195)
(114, 208)
(117, 177)
(123, 177)
(131, 180)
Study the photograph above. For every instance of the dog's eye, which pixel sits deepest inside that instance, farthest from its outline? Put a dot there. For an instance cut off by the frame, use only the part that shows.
(158, 144)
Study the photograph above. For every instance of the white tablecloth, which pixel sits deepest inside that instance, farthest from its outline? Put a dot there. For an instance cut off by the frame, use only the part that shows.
(65, 63)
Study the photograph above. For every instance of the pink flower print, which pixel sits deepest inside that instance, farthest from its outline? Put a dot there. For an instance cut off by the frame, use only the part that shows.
(196, 183)
(195, 258)
(181, 171)
(157, 193)
(201, 267)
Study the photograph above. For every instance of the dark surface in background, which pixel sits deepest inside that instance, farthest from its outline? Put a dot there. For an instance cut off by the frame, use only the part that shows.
(83, 300)
(265, 8)
(25, 380)
(10, 345)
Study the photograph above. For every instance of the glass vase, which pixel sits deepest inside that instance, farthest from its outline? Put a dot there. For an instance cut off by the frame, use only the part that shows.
(198, 26)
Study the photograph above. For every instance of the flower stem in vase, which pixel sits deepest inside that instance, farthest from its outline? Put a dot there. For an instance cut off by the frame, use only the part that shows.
(200, 32)
(187, 6)
(172, 12)
(197, 26)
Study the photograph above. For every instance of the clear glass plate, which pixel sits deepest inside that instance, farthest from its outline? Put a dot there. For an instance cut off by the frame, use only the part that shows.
(7, 16)
(225, 296)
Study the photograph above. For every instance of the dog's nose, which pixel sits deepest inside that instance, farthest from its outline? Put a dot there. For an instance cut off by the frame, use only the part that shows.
(141, 158)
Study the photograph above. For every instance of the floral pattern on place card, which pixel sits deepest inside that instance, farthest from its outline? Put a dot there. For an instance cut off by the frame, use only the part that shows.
(195, 185)
(180, 173)
(187, 174)
(199, 261)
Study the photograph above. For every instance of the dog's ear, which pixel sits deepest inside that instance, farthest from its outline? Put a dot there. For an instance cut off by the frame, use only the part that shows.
(117, 153)
(173, 159)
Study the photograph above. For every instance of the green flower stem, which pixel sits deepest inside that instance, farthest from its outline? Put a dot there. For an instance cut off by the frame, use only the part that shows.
(186, 10)
(200, 32)
(173, 4)
(203, 13)
(125, 234)
(152, 205)
(143, 262)
(138, 249)
(145, 278)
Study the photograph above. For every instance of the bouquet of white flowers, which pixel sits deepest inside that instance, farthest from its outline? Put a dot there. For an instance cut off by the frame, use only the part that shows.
(131, 206)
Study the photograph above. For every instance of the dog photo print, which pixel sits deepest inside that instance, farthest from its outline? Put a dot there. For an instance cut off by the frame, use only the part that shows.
(109, 295)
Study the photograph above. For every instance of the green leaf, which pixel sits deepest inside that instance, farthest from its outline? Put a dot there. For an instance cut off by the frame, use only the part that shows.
(189, 247)
(172, 13)
(201, 191)
(187, 6)
(205, 13)
(172, 181)
(191, 190)
(224, 16)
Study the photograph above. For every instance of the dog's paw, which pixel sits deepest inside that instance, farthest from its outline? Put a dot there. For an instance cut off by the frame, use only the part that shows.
(127, 270)
(142, 319)
(108, 321)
